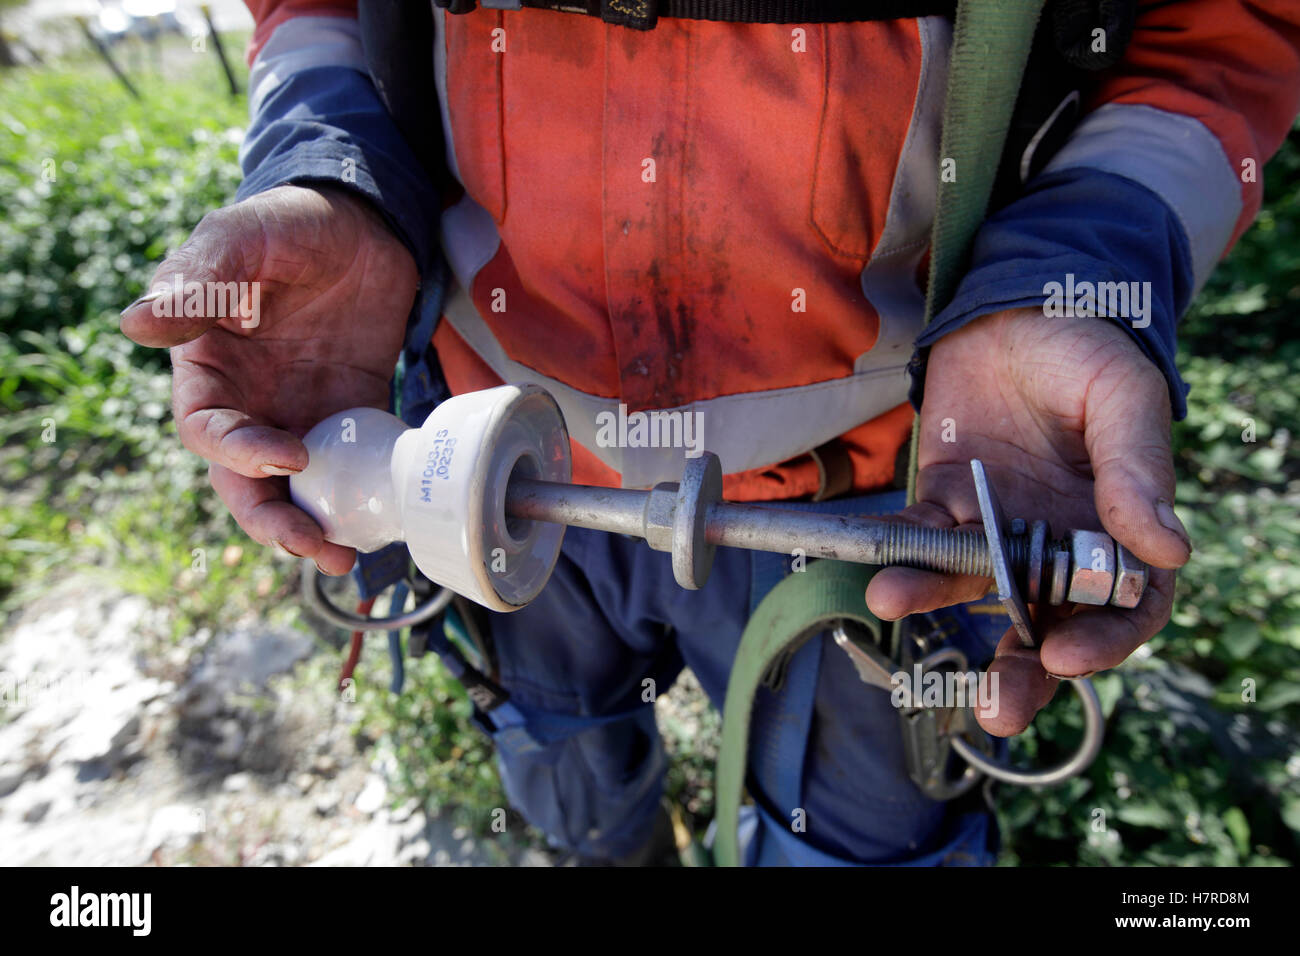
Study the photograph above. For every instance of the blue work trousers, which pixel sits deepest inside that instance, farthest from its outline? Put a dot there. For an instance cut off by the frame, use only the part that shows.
(826, 766)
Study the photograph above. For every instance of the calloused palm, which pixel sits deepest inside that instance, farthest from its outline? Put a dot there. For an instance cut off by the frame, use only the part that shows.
(1072, 422)
(335, 286)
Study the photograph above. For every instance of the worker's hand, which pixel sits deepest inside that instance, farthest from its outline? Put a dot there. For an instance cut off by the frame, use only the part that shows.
(334, 288)
(1072, 422)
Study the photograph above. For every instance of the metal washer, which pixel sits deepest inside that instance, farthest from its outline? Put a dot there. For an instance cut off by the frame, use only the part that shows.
(701, 487)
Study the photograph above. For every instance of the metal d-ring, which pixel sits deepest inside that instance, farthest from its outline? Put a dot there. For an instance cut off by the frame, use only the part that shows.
(1089, 747)
(313, 593)
(1094, 729)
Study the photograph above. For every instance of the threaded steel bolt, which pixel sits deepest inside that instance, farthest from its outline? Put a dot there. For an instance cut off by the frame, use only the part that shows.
(660, 515)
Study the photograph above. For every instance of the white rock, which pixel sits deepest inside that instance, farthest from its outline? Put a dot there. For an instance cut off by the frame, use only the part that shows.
(231, 744)
(374, 845)
(11, 775)
(37, 811)
(405, 811)
(236, 782)
(372, 795)
(327, 801)
(416, 852)
(175, 826)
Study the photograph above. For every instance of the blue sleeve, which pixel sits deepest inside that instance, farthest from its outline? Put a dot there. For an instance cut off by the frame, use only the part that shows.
(327, 125)
(1073, 226)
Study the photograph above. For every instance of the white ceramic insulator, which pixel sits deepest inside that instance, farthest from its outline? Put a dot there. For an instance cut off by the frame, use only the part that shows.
(441, 488)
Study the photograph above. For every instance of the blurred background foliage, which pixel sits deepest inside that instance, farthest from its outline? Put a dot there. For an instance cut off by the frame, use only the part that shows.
(1201, 764)
(1202, 757)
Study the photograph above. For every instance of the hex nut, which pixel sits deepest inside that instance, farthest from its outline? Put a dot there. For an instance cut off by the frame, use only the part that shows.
(660, 515)
(1130, 578)
(1092, 567)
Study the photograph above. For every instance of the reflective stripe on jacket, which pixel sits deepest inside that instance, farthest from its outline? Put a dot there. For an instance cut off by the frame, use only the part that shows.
(645, 213)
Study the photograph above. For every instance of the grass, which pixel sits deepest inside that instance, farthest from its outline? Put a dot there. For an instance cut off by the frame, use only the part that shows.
(94, 187)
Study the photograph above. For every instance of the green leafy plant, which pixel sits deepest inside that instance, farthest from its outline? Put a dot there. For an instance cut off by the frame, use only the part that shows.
(94, 188)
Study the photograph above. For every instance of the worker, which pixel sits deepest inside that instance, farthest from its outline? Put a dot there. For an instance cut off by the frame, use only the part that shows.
(643, 211)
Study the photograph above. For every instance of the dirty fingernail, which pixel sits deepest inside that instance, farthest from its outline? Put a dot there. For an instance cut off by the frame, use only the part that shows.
(148, 297)
(283, 550)
(277, 470)
(1165, 513)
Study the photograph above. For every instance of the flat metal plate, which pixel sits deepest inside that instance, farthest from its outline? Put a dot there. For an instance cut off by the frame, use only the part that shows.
(994, 522)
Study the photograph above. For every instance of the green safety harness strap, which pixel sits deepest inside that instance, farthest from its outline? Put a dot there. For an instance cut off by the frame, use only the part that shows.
(793, 611)
(990, 47)
(991, 42)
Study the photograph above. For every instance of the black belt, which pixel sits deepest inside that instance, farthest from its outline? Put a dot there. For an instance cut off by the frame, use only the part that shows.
(644, 14)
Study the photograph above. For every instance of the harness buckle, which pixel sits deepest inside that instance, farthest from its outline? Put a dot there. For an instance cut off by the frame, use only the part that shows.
(933, 764)
(637, 14)
(927, 731)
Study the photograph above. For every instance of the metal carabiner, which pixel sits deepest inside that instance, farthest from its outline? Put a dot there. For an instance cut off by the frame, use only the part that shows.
(978, 762)
(928, 733)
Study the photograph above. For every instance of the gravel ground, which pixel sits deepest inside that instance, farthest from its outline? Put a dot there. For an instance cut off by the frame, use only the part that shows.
(118, 748)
